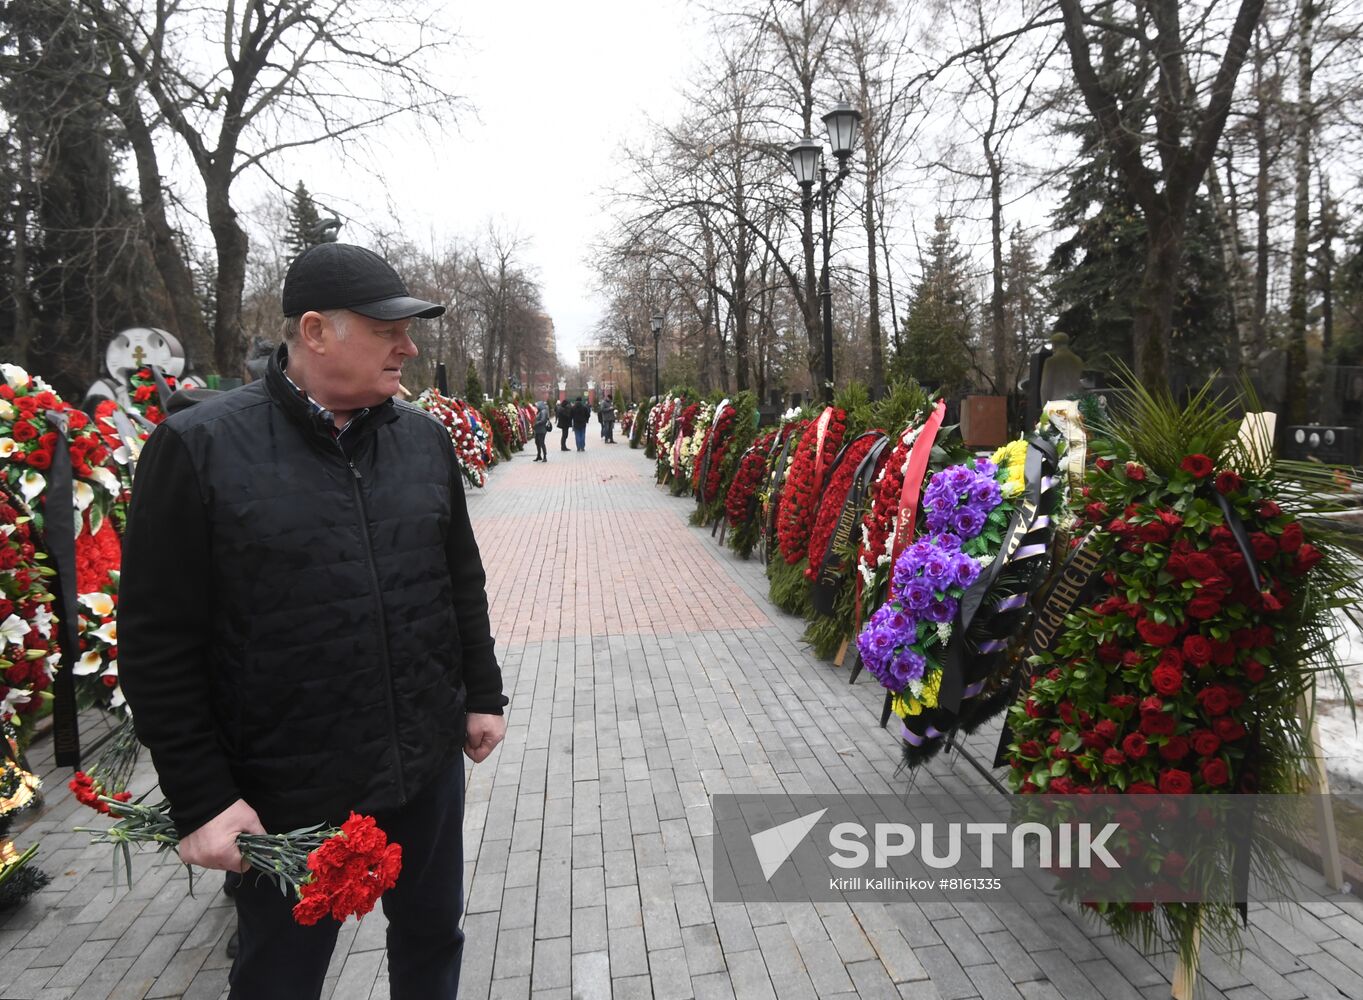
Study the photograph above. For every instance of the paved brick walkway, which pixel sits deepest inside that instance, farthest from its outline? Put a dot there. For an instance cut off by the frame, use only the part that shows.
(647, 673)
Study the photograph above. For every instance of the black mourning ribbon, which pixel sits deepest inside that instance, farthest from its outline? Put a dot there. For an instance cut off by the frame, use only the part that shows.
(58, 526)
(832, 566)
(1040, 453)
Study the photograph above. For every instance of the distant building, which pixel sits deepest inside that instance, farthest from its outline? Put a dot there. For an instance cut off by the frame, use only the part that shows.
(607, 368)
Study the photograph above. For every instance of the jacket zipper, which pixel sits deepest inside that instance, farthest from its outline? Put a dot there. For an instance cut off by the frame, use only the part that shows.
(356, 480)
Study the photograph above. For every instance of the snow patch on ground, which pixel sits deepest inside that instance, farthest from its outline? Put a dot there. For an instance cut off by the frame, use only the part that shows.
(1340, 736)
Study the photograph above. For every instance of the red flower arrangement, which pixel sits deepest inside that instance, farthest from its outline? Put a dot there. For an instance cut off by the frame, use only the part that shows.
(28, 657)
(144, 394)
(804, 484)
(752, 469)
(878, 525)
(334, 872)
(1182, 674)
(348, 872)
(453, 416)
(834, 496)
(688, 421)
(711, 457)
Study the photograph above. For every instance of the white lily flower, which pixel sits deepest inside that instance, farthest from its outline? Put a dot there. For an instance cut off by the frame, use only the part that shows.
(6, 410)
(8, 446)
(118, 700)
(107, 633)
(106, 479)
(100, 604)
(15, 698)
(15, 376)
(84, 496)
(31, 485)
(88, 664)
(42, 621)
(13, 630)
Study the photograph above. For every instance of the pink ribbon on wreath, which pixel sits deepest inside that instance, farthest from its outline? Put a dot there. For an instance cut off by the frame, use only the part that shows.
(913, 484)
(821, 429)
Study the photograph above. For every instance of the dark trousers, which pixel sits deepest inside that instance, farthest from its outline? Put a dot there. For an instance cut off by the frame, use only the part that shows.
(580, 433)
(539, 445)
(608, 430)
(564, 443)
(278, 959)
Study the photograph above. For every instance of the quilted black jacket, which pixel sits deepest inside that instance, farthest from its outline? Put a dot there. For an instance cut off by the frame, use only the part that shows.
(303, 621)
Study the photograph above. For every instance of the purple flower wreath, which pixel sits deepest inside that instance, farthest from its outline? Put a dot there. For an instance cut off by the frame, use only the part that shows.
(931, 574)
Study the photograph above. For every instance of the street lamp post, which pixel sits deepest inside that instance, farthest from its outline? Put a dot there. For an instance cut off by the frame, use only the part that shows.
(630, 352)
(808, 164)
(656, 325)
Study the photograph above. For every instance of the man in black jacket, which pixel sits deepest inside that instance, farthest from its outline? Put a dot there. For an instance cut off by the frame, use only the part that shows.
(582, 416)
(330, 650)
(564, 413)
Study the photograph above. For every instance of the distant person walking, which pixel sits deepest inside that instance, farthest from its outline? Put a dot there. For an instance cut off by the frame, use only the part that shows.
(564, 413)
(582, 416)
(543, 421)
(608, 420)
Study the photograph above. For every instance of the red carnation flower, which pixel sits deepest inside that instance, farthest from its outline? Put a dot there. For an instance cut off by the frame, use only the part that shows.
(1199, 466)
(1292, 537)
(1268, 509)
(1135, 471)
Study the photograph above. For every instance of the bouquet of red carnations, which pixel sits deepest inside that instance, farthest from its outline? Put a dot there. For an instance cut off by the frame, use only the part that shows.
(334, 871)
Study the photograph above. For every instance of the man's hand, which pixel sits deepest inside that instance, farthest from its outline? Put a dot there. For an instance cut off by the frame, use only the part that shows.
(214, 845)
(484, 733)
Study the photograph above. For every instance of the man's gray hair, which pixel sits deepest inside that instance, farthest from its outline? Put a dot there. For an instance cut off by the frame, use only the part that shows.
(340, 318)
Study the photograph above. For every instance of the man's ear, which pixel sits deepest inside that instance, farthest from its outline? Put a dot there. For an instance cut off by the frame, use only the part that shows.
(311, 332)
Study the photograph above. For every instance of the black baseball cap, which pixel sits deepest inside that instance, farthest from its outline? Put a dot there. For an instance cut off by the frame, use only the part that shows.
(342, 276)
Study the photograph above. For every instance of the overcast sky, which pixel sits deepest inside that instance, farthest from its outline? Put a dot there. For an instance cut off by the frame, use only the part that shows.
(556, 89)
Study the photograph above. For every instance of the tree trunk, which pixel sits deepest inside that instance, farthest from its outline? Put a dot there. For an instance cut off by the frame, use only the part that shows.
(23, 307)
(997, 326)
(1232, 259)
(1153, 315)
(190, 326)
(232, 247)
(1261, 205)
(1301, 223)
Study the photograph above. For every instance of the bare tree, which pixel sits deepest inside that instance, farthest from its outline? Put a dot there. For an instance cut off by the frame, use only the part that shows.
(290, 73)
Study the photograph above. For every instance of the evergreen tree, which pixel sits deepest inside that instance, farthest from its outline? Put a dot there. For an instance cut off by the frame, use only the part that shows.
(73, 266)
(307, 228)
(473, 386)
(1097, 270)
(935, 347)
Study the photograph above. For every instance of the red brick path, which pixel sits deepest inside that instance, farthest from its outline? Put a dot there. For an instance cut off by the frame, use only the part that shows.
(586, 544)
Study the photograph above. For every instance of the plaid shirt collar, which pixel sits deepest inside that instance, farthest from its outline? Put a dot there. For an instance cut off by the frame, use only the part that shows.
(318, 410)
